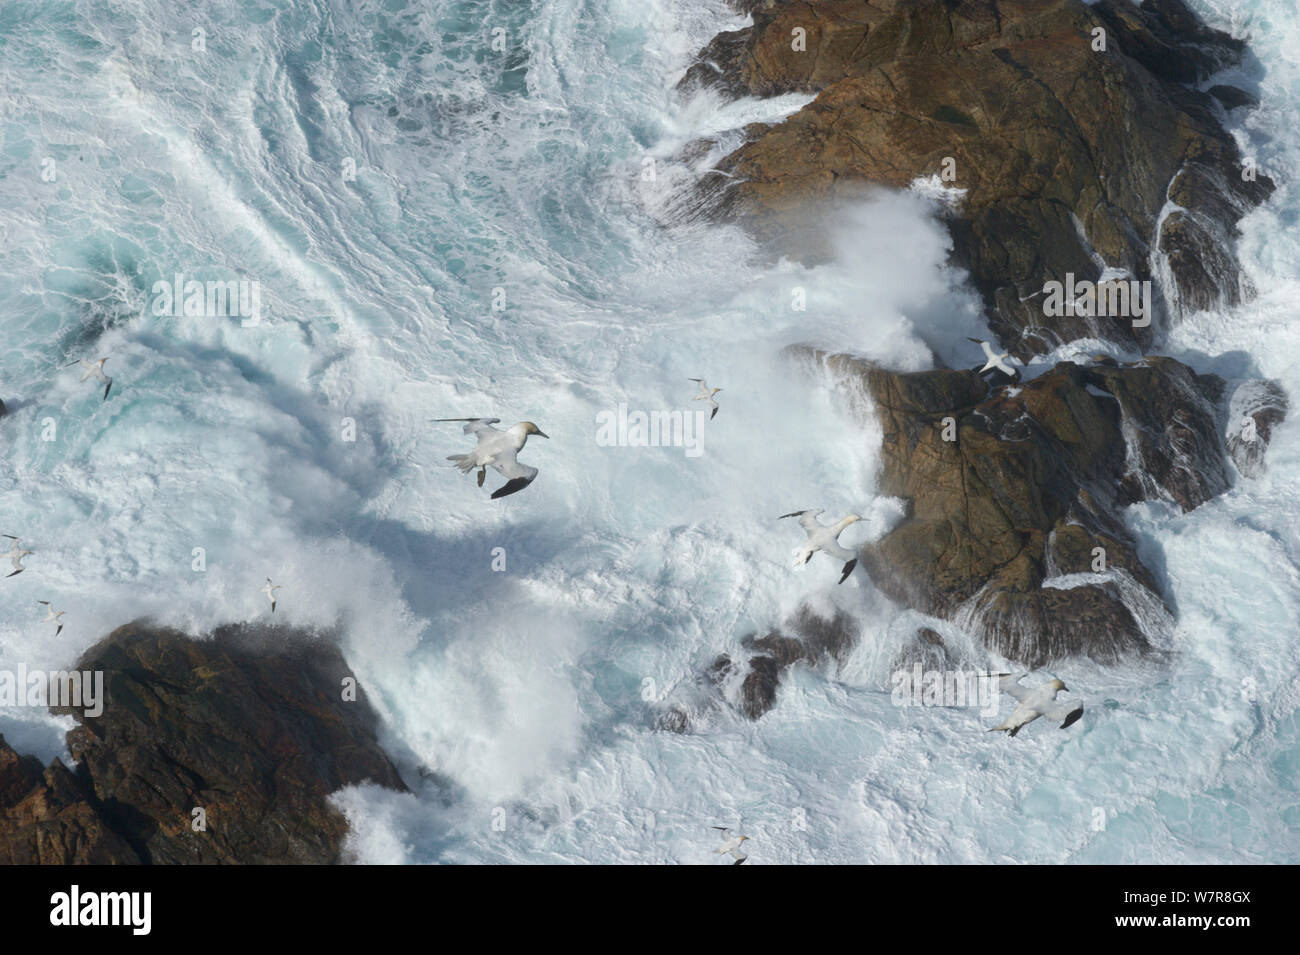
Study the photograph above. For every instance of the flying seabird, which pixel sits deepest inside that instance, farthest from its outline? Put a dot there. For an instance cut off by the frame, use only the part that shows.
(994, 359)
(732, 846)
(52, 615)
(270, 590)
(95, 369)
(498, 449)
(16, 555)
(824, 538)
(1035, 702)
(706, 394)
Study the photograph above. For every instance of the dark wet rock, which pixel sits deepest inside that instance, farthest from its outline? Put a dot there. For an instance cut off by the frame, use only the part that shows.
(1233, 98)
(1254, 409)
(1011, 529)
(1065, 153)
(807, 637)
(926, 648)
(49, 817)
(251, 726)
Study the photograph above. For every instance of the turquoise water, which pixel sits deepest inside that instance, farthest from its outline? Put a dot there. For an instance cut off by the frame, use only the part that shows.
(482, 177)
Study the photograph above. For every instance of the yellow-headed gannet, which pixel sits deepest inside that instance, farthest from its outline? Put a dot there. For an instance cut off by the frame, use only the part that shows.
(270, 590)
(1035, 702)
(52, 615)
(95, 369)
(994, 360)
(16, 555)
(732, 846)
(498, 449)
(706, 394)
(824, 538)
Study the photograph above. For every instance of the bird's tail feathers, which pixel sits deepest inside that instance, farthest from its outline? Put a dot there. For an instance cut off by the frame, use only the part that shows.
(463, 461)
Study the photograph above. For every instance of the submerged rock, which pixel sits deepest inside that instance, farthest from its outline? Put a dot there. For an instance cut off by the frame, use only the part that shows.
(250, 726)
(1012, 492)
(1070, 155)
(816, 639)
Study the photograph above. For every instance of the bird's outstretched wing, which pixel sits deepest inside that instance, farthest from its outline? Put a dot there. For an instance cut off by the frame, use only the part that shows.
(1010, 685)
(1066, 712)
(478, 426)
(518, 476)
(807, 519)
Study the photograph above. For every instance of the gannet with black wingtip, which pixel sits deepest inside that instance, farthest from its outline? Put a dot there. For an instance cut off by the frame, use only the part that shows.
(1035, 702)
(270, 590)
(994, 360)
(706, 394)
(95, 369)
(16, 554)
(52, 615)
(732, 846)
(825, 538)
(498, 449)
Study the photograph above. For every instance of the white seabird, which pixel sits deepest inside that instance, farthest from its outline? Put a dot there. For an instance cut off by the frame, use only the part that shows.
(994, 360)
(95, 369)
(1035, 702)
(270, 590)
(499, 449)
(16, 554)
(732, 846)
(706, 394)
(52, 615)
(825, 538)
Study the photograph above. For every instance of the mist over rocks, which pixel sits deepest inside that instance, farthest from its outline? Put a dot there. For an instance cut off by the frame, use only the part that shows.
(1013, 530)
(250, 726)
(1072, 158)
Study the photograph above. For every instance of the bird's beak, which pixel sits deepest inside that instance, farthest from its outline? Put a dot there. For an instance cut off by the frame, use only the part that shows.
(541, 434)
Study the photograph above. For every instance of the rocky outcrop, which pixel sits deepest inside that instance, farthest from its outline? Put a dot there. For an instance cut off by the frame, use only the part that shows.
(252, 727)
(1012, 494)
(1070, 155)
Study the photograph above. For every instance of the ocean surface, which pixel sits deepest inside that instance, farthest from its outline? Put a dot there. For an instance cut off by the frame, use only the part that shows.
(456, 209)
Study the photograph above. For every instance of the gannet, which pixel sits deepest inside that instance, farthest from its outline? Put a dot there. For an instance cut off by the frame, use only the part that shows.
(52, 615)
(824, 538)
(706, 394)
(270, 590)
(1035, 702)
(95, 369)
(994, 359)
(498, 448)
(732, 846)
(16, 555)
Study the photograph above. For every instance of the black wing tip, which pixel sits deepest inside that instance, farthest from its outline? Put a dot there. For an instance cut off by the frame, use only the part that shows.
(1015, 729)
(1072, 718)
(714, 415)
(792, 514)
(511, 487)
(848, 569)
(740, 861)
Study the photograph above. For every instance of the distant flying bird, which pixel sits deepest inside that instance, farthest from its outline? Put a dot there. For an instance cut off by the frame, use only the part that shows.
(732, 846)
(270, 590)
(498, 449)
(16, 555)
(52, 615)
(706, 394)
(1035, 702)
(994, 360)
(825, 538)
(95, 369)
